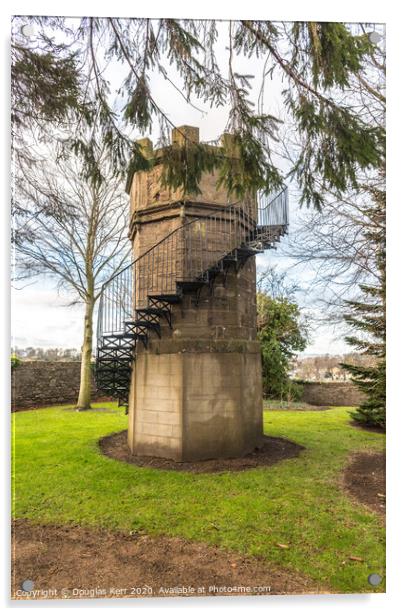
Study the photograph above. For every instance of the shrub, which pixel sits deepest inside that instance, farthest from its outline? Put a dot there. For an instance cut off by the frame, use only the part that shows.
(15, 362)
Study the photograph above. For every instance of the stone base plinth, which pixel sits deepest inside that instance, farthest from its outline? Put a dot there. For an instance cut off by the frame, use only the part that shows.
(193, 405)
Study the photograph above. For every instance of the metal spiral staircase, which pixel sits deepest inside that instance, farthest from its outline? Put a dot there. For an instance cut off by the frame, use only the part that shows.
(135, 301)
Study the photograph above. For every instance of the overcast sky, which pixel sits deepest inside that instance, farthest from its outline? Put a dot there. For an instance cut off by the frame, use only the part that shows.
(43, 316)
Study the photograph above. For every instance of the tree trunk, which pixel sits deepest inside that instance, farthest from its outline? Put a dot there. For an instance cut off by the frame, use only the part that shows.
(84, 397)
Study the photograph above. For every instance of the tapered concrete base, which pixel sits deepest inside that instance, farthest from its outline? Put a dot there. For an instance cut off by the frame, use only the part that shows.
(197, 405)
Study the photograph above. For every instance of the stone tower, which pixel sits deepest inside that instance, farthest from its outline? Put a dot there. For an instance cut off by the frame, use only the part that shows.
(196, 390)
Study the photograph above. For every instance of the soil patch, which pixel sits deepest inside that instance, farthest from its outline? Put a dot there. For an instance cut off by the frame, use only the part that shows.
(376, 429)
(364, 479)
(272, 450)
(75, 562)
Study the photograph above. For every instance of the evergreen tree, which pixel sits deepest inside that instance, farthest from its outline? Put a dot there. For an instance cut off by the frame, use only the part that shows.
(317, 62)
(368, 318)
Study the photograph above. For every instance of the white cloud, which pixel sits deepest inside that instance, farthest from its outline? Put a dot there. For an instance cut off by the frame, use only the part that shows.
(40, 316)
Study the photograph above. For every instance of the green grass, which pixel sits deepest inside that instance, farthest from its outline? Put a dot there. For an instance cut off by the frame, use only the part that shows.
(61, 477)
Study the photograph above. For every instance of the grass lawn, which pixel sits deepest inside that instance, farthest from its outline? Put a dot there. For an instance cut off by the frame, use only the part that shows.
(61, 477)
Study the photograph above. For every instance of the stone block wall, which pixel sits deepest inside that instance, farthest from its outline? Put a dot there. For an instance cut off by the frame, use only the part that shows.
(45, 383)
(332, 394)
(155, 426)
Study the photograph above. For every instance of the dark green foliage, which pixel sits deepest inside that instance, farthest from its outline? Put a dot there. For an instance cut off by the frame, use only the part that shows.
(46, 87)
(372, 382)
(138, 162)
(182, 45)
(336, 144)
(333, 54)
(41, 77)
(140, 108)
(15, 362)
(281, 334)
(368, 318)
(319, 61)
(183, 165)
(248, 171)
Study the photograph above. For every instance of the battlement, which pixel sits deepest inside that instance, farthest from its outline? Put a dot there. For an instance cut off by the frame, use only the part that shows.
(145, 187)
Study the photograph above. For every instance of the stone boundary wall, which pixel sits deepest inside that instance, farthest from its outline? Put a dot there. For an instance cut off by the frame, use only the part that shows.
(45, 383)
(332, 394)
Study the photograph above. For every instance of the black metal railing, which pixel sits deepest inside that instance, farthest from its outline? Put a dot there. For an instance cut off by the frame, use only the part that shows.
(187, 254)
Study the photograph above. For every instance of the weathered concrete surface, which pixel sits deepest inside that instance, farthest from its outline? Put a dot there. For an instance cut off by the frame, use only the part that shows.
(196, 406)
(197, 393)
(223, 406)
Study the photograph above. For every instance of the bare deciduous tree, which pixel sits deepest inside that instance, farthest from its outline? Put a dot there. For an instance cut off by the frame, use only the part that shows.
(78, 236)
(334, 244)
(334, 241)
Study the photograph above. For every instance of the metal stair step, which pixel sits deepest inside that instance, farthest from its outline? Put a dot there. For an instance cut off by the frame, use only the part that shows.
(170, 298)
(230, 258)
(106, 369)
(130, 336)
(158, 312)
(216, 269)
(142, 323)
(124, 342)
(191, 285)
(246, 251)
(118, 352)
(119, 356)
